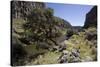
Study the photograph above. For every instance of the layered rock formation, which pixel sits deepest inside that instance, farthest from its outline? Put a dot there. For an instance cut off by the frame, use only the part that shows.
(22, 8)
(91, 18)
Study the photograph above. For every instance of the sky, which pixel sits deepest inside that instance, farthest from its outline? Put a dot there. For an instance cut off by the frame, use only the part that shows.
(74, 14)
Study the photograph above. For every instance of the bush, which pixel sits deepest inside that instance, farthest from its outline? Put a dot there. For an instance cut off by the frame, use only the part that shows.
(18, 53)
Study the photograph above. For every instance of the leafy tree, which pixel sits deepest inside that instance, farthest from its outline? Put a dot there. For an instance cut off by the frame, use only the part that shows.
(41, 26)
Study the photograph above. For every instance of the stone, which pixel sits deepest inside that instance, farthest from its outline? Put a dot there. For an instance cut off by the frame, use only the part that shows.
(65, 52)
(75, 52)
(64, 57)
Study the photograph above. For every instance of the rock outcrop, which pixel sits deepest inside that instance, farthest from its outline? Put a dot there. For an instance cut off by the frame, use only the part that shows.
(68, 57)
(22, 8)
(77, 28)
(91, 18)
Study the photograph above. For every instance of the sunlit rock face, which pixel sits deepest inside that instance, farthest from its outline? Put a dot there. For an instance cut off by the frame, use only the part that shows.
(22, 8)
(91, 18)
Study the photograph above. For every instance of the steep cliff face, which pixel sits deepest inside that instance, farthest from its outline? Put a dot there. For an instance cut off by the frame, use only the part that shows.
(91, 18)
(22, 8)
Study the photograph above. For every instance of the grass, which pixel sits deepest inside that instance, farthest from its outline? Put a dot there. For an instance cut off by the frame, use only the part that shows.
(31, 50)
(47, 58)
(17, 24)
(75, 42)
(79, 42)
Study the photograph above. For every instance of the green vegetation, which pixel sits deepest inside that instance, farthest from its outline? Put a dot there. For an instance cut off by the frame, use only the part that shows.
(79, 42)
(42, 38)
(86, 47)
(47, 58)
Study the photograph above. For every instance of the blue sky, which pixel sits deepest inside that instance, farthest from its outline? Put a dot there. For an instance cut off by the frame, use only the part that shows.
(75, 14)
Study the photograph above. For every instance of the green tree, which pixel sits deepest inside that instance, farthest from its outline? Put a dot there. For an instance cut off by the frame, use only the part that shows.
(41, 26)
